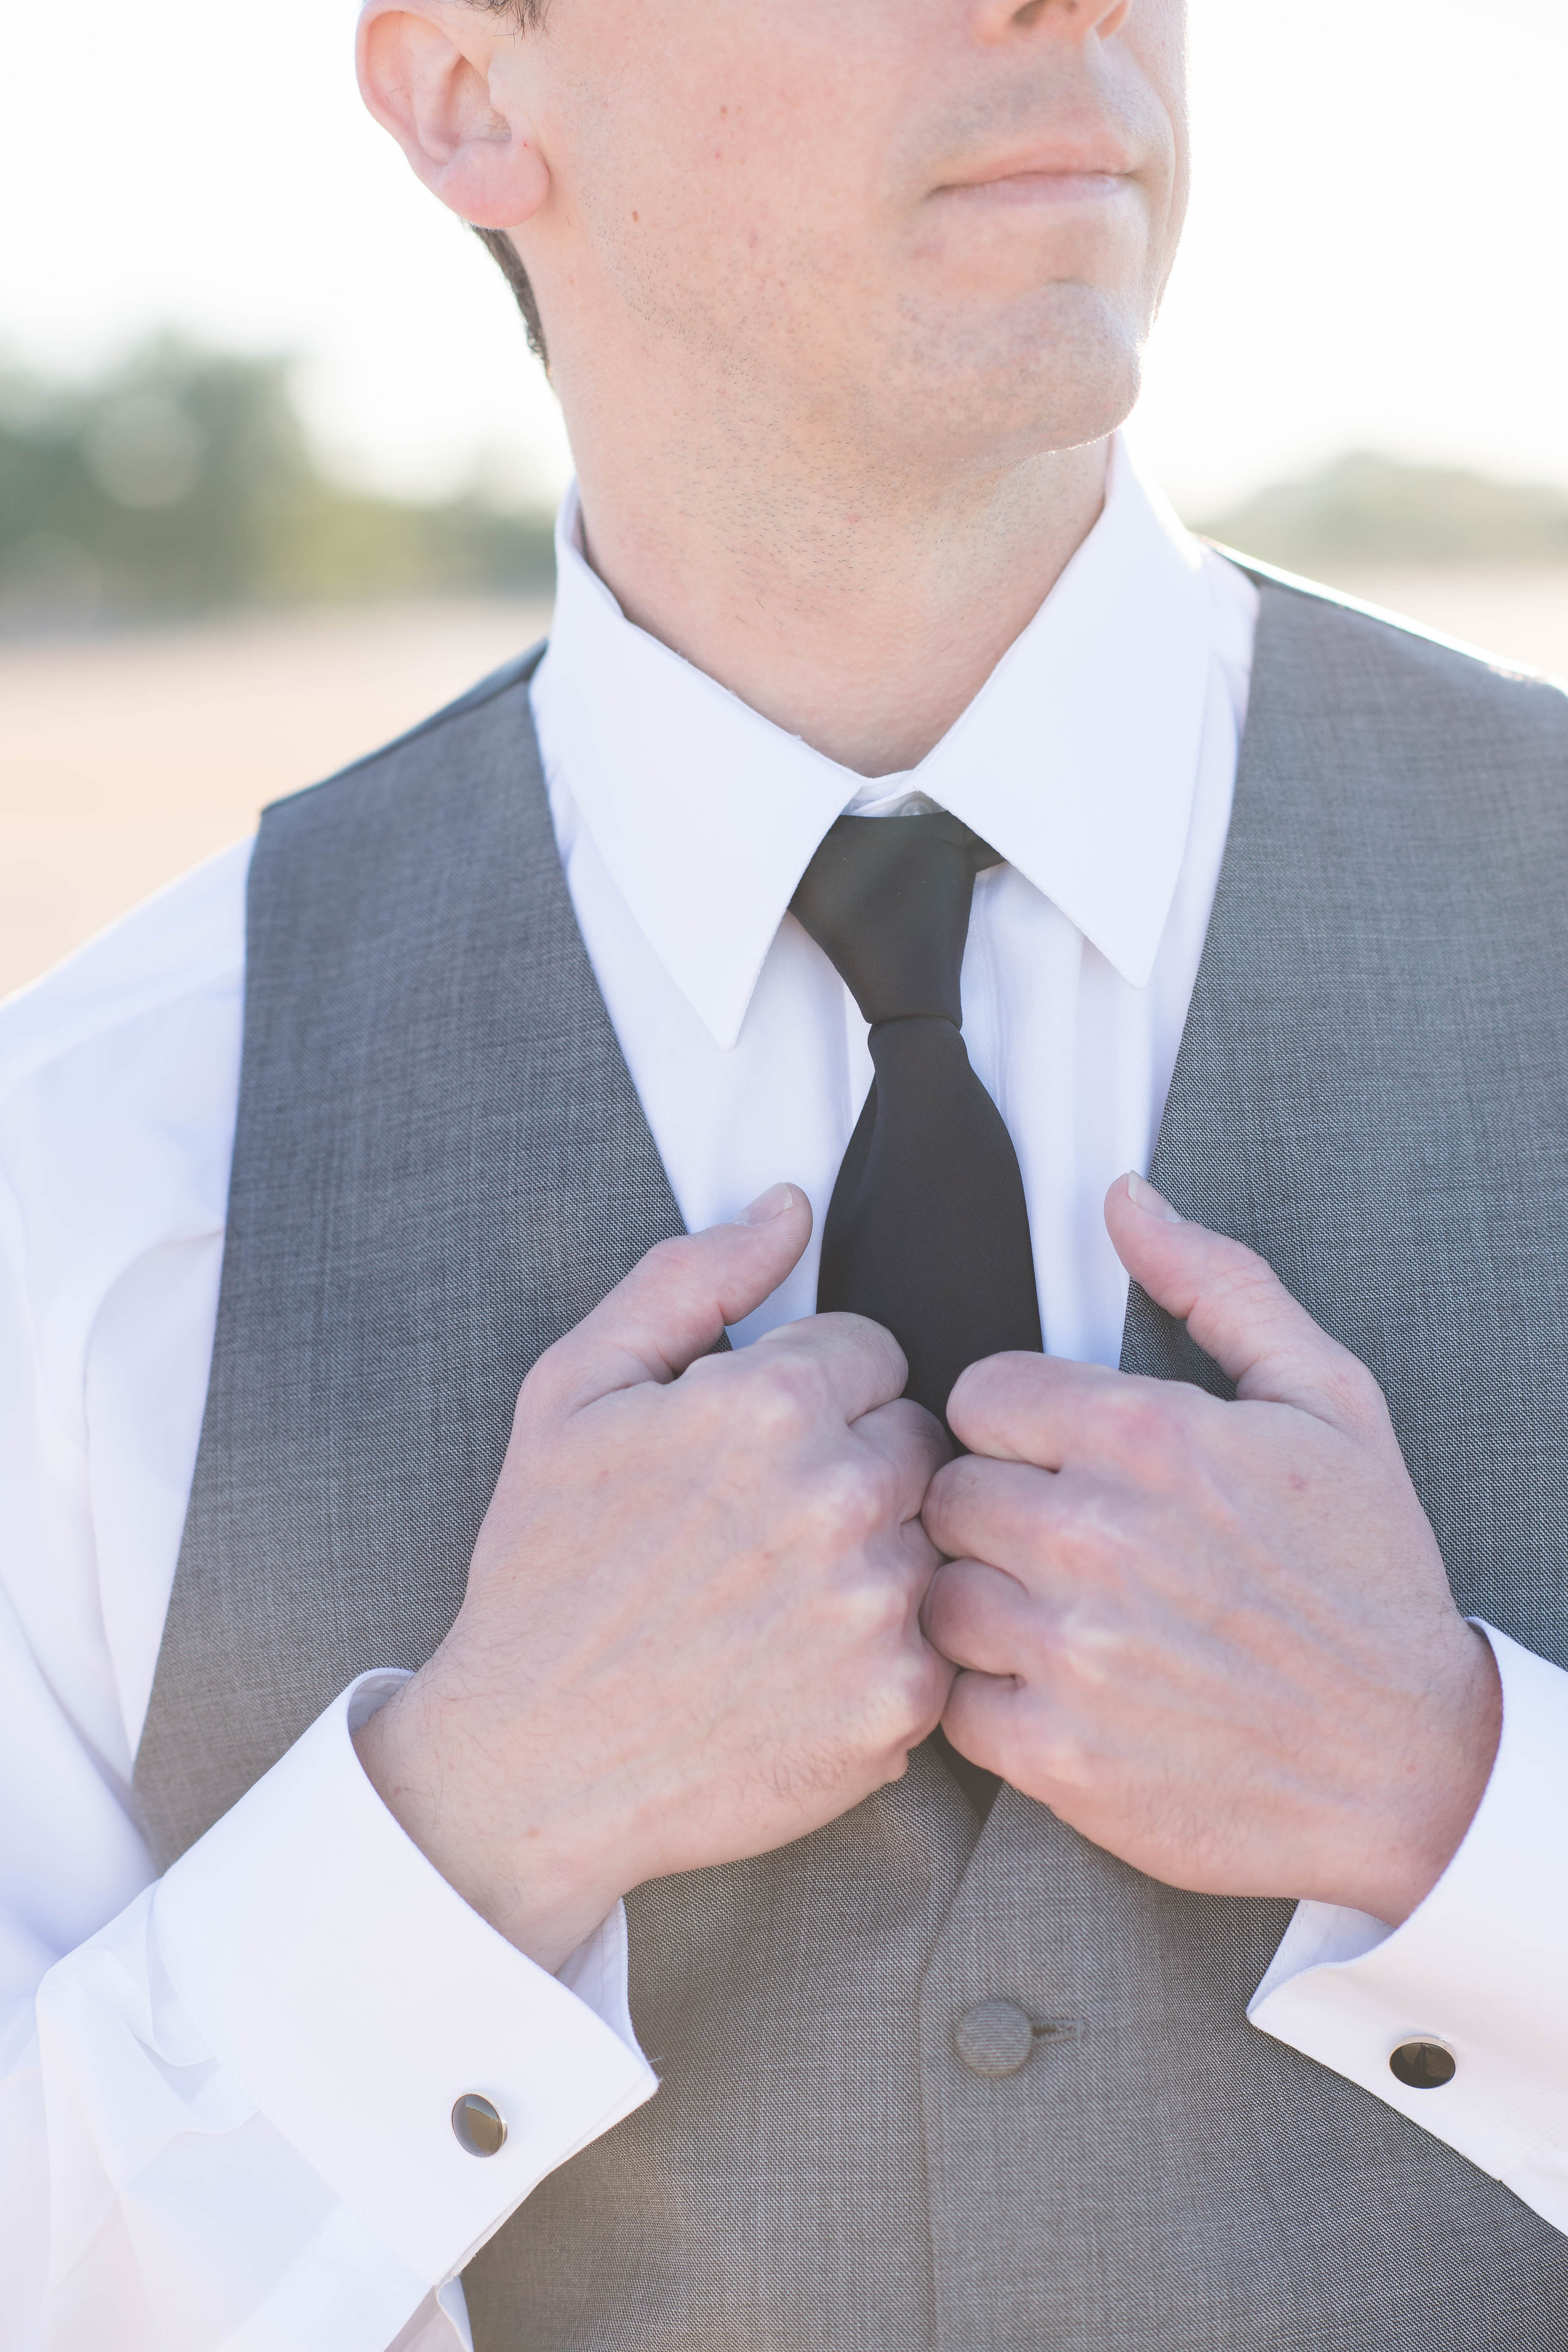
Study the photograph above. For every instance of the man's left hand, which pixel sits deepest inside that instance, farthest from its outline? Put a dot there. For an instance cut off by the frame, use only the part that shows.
(1215, 1638)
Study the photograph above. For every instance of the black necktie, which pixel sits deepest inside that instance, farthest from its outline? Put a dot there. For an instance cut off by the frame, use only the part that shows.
(927, 1232)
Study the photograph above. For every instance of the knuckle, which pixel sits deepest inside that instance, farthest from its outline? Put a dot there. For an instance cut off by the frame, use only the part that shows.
(877, 1340)
(706, 1373)
(1066, 1760)
(890, 1614)
(670, 1260)
(1155, 1423)
(848, 1502)
(886, 1617)
(917, 1692)
(705, 1397)
(547, 1392)
(1353, 1391)
(1078, 1528)
(1138, 1419)
(1240, 1276)
(1088, 1658)
(874, 1348)
(786, 1391)
(920, 1438)
(871, 1613)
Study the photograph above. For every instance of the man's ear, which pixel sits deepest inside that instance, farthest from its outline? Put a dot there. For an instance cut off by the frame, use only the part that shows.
(424, 72)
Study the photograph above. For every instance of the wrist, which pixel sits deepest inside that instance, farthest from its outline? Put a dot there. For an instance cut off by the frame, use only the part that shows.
(544, 1888)
(1443, 1777)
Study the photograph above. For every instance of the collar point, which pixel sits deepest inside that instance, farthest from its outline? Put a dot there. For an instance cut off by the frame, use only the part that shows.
(1134, 966)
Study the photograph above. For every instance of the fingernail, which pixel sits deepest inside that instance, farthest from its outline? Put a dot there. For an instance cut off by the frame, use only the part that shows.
(768, 1205)
(1143, 1195)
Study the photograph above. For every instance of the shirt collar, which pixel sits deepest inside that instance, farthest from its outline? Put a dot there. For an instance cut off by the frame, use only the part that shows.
(1077, 760)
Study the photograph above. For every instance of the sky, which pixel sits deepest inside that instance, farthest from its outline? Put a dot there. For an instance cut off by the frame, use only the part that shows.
(1374, 258)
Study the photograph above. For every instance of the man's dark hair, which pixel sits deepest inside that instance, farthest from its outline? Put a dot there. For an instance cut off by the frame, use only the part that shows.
(517, 277)
(527, 14)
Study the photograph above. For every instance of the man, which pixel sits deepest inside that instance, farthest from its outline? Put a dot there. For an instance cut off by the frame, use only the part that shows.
(929, 1819)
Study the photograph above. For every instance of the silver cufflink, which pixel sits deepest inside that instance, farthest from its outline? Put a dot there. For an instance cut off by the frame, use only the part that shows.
(478, 2125)
(1423, 2066)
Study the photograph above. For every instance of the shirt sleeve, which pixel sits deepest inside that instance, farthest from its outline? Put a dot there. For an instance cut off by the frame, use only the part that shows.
(225, 2097)
(232, 2123)
(1480, 1968)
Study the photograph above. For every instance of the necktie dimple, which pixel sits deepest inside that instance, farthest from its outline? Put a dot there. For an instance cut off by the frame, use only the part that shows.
(927, 1232)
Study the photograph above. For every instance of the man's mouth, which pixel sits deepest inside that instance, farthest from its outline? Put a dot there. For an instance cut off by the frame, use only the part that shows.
(1059, 172)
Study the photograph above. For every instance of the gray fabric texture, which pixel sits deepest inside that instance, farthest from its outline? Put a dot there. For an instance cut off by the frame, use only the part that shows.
(433, 1109)
(441, 1163)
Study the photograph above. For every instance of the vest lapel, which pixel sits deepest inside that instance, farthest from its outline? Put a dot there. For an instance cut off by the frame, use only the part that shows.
(1152, 1342)
(1369, 1089)
(440, 1166)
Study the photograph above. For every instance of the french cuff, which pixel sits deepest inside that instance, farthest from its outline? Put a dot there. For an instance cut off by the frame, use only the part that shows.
(359, 1999)
(1478, 1970)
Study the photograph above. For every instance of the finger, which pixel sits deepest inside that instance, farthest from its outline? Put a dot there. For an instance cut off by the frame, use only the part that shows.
(988, 1510)
(1237, 1308)
(862, 1365)
(977, 1616)
(1027, 1408)
(675, 1303)
(979, 1717)
(913, 1443)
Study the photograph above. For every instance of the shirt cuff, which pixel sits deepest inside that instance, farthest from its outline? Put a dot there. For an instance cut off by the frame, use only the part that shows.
(329, 1966)
(1479, 1967)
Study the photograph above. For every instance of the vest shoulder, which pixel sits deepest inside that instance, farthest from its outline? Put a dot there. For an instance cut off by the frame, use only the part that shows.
(1343, 648)
(422, 749)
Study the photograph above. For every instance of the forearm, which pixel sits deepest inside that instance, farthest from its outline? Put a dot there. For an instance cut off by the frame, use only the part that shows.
(235, 2108)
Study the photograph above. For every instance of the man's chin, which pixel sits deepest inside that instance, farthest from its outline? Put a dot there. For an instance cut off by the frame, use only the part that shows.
(1057, 373)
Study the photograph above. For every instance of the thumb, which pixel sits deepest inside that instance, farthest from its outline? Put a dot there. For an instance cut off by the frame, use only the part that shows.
(675, 1303)
(1237, 1309)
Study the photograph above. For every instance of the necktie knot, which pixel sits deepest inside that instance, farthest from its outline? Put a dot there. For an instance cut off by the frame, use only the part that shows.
(887, 899)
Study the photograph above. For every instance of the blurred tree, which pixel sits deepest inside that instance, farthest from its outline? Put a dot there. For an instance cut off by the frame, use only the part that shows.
(183, 481)
(1366, 510)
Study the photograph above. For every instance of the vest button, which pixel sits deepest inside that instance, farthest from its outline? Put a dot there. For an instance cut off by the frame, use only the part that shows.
(480, 2127)
(995, 2039)
(1423, 2066)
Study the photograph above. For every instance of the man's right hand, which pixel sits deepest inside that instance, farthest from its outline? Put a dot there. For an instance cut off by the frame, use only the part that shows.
(691, 1632)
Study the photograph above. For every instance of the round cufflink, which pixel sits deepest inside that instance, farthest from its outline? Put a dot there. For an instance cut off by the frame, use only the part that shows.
(1423, 2066)
(479, 2127)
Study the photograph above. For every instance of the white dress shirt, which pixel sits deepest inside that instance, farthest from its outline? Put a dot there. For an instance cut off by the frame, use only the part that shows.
(224, 2096)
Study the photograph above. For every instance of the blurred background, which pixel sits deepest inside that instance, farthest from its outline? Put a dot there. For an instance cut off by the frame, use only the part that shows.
(277, 469)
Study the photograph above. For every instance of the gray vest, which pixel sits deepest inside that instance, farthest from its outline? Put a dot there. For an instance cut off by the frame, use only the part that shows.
(441, 1164)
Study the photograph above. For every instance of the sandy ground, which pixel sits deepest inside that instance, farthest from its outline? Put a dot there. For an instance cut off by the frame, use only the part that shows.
(123, 760)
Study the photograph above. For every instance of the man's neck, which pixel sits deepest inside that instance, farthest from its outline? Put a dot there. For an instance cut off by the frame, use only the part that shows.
(860, 620)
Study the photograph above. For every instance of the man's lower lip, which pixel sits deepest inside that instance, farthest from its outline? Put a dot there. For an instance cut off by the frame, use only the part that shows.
(1041, 188)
